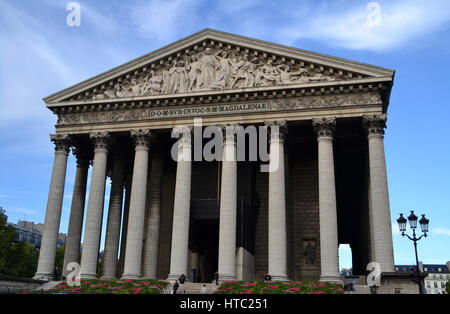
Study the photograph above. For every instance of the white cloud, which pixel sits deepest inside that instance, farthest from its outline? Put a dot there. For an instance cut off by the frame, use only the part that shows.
(346, 26)
(21, 210)
(165, 20)
(442, 231)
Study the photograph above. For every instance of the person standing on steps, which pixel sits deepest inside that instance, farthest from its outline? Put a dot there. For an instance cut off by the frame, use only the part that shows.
(203, 290)
(216, 278)
(175, 287)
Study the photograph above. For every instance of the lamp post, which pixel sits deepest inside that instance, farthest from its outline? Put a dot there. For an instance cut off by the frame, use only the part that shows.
(413, 225)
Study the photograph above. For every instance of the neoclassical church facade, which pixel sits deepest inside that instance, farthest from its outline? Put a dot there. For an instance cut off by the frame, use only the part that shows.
(169, 216)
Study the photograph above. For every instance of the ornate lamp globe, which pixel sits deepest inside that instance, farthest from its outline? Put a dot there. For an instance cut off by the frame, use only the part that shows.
(401, 223)
(424, 224)
(412, 220)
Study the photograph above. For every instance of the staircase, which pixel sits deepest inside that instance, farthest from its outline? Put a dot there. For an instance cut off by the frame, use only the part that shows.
(191, 288)
(360, 289)
(49, 285)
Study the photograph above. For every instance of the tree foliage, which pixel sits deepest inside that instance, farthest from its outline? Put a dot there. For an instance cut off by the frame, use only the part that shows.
(16, 258)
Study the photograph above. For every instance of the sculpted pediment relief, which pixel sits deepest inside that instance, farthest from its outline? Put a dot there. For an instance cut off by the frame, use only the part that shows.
(212, 69)
(212, 61)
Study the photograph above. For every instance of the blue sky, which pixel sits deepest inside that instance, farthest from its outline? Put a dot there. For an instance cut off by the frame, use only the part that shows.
(40, 54)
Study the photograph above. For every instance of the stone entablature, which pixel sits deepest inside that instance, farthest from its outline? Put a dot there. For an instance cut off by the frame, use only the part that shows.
(110, 115)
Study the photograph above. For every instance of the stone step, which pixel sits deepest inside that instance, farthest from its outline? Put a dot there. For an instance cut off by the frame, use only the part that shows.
(191, 288)
(360, 289)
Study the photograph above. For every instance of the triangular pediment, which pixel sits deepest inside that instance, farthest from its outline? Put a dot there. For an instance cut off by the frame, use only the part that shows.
(211, 61)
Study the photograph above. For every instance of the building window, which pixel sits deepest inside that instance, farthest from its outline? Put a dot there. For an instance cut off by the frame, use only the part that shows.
(435, 284)
(442, 284)
(439, 269)
(428, 284)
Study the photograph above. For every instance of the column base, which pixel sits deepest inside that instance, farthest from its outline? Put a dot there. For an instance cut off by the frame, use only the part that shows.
(279, 278)
(226, 277)
(87, 276)
(131, 276)
(107, 278)
(43, 276)
(173, 277)
(334, 279)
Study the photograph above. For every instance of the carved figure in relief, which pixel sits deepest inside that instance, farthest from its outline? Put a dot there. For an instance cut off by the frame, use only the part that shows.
(128, 91)
(173, 78)
(166, 79)
(287, 77)
(183, 83)
(244, 70)
(208, 69)
(319, 77)
(225, 71)
(265, 73)
(152, 84)
(194, 72)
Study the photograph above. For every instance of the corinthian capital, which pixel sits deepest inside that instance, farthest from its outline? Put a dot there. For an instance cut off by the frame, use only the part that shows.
(61, 141)
(277, 130)
(375, 124)
(229, 132)
(142, 137)
(101, 140)
(324, 127)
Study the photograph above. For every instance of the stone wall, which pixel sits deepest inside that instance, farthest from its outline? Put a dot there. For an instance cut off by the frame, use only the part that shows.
(304, 202)
(165, 240)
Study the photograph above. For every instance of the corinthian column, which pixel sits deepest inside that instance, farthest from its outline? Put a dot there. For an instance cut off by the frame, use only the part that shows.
(228, 203)
(109, 270)
(181, 209)
(380, 219)
(329, 255)
(94, 215)
(277, 203)
(153, 220)
(54, 205)
(136, 218)
(72, 252)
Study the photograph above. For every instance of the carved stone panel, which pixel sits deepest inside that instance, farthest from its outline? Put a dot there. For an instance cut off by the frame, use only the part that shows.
(211, 69)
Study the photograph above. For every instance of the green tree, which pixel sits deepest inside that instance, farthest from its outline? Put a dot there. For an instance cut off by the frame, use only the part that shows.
(16, 258)
(59, 258)
(7, 243)
(447, 287)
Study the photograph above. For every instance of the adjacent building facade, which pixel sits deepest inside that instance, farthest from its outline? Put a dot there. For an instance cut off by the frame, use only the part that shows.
(438, 276)
(30, 232)
(170, 214)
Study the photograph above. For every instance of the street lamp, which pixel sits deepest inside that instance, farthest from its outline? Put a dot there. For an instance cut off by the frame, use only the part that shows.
(413, 225)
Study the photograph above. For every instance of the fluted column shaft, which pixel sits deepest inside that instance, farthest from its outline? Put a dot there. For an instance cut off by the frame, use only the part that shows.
(153, 219)
(73, 242)
(136, 218)
(94, 215)
(126, 211)
(49, 242)
(228, 203)
(109, 269)
(182, 204)
(277, 204)
(380, 219)
(329, 254)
